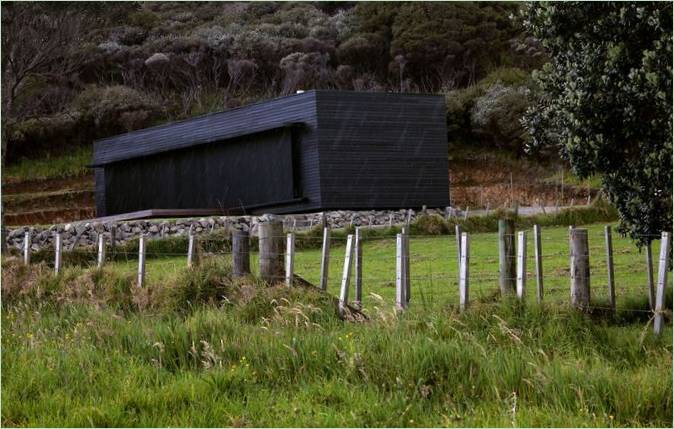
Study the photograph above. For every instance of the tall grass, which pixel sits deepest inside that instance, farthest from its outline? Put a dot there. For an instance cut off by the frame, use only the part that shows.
(202, 349)
(71, 164)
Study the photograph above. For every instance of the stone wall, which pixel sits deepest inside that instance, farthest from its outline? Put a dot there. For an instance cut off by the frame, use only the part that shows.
(85, 234)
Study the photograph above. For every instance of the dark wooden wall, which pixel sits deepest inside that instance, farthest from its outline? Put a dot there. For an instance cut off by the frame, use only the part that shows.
(354, 150)
(227, 176)
(188, 164)
(382, 150)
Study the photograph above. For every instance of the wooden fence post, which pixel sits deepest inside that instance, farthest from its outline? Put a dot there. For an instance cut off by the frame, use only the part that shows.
(457, 233)
(609, 267)
(464, 282)
(26, 248)
(101, 251)
(663, 268)
(346, 274)
(521, 265)
(190, 249)
(141, 260)
(538, 254)
(290, 258)
(579, 268)
(406, 264)
(401, 301)
(358, 268)
(506, 251)
(271, 248)
(58, 252)
(325, 258)
(649, 271)
(240, 253)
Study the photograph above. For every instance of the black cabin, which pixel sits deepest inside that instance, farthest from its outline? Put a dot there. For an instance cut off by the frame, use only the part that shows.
(311, 151)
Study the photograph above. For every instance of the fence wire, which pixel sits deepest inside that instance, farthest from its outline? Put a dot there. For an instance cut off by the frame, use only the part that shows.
(433, 267)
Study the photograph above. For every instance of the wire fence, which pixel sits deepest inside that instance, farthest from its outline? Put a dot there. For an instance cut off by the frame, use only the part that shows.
(433, 264)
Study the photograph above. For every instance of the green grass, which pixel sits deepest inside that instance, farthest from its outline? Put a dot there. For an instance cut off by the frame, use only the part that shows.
(434, 267)
(72, 164)
(197, 348)
(570, 179)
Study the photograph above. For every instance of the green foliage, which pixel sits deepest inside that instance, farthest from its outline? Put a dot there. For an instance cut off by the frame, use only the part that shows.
(459, 103)
(508, 76)
(429, 224)
(114, 106)
(606, 102)
(490, 111)
(492, 366)
(206, 283)
(496, 116)
(71, 164)
(143, 18)
(456, 41)
(222, 55)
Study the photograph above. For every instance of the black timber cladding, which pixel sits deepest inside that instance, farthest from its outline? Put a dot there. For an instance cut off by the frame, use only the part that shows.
(145, 169)
(382, 150)
(305, 152)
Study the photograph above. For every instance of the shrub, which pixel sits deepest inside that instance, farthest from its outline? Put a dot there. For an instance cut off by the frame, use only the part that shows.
(508, 76)
(459, 103)
(129, 35)
(105, 106)
(143, 18)
(206, 283)
(495, 117)
(51, 134)
(430, 224)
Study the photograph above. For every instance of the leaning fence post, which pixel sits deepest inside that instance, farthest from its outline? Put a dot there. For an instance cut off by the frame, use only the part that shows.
(270, 230)
(290, 258)
(464, 272)
(101, 251)
(26, 248)
(358, 268)
(240, 253)
(579, 268)
(325, 258)
(506, 251)
(401, 301)
(521, 264)
(141, 260)
(58, 250)
(649, 271)
(663, 267)
(539, 263)
(609, 267)
(346, 274)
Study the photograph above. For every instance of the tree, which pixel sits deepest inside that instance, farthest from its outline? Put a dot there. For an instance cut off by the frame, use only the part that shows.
(38, 43)
(606, 102)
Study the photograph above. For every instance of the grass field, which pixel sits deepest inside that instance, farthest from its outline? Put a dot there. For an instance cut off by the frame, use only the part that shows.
(197, 348)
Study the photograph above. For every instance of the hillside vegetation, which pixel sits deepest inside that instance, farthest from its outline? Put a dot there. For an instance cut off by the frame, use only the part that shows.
(114, 67)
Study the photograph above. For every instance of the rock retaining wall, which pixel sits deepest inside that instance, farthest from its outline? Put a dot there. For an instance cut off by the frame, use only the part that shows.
(85, 234)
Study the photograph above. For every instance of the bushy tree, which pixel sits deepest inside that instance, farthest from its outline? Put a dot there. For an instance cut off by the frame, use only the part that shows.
(495, 117)
(607, 102)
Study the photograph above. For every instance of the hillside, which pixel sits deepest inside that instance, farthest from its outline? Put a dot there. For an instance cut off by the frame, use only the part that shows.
(115, 67)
